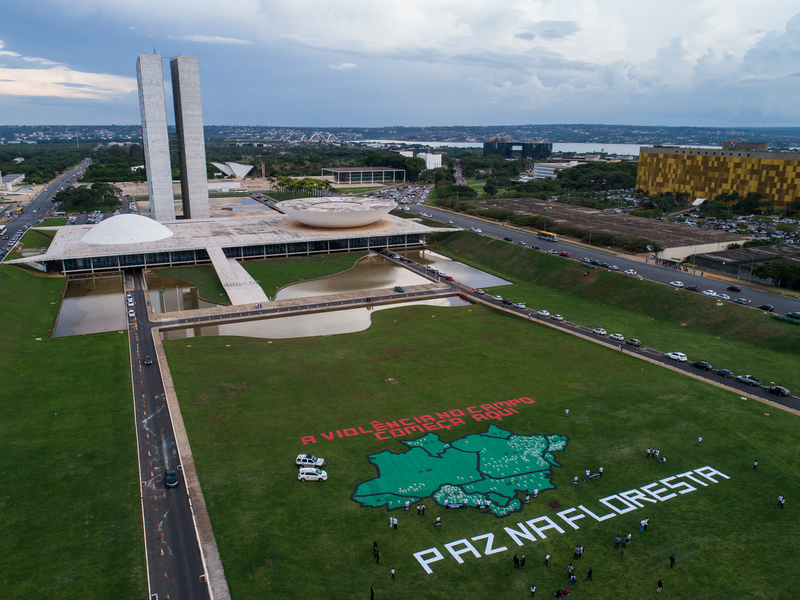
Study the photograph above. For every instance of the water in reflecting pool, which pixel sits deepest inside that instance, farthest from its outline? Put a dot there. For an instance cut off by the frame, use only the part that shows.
(325, 323)
(92, 305)
(370, 273)
(462, 273)
(176, 296)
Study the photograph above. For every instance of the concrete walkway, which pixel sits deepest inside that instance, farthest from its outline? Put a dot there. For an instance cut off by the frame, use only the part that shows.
(240, 287)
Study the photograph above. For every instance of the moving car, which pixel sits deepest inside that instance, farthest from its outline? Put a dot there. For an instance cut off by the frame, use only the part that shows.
(507, 239)
(710, 293)
(742, 301)
(766, 307)
(508, 301)
(543, 313)
(171, 478)
(480, 292)
(399, 289)
(599, 331)
(749, 380)
(634, 342)
(793, 315)
(701, 364)
(677, 284)
(498, 298)
(734, 288)
(617, 337)
(723, 296)
(552, 251)
(148, 360)
(519, 305)
(522, 243)
(679, 356)
(691, 288)
(630, 272)
(724, 373)
(564, 254)
(778, 390)
(614, 268)
(557, 317)
(309, 460)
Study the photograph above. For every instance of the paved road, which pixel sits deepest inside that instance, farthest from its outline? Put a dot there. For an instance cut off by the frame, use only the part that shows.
(649, 271)
(175, 565)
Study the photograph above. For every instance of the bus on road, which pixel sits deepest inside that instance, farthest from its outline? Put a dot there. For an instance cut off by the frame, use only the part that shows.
(546, 235)
(3, 229)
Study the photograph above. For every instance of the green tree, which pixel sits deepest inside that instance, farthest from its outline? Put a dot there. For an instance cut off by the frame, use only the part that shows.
(414, 166)
(780, 273)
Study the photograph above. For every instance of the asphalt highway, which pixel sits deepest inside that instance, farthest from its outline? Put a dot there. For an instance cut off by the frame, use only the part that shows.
(648, 270)
(175, 566)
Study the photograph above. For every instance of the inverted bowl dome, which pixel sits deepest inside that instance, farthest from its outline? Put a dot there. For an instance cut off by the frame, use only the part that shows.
(126, 229)
(336, 213)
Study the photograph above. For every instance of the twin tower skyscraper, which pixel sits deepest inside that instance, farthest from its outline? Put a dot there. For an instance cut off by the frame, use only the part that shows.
(185, 72)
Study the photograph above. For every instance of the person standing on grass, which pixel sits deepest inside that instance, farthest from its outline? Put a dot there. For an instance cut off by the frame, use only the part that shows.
(377, 557)
(781, 501)
(641, 525)
(575, 480)
(586, 476)
(516, 561)
(577, 552)
(372, 593)
(699, 440)
(600, 471)
(617, 541)
(522, 562)
(546, 560)
(566, 412)
(393, 579)
(589, 574)
(648, 453)
(438, 522)
(646, 523)
(533, 591)
(660, 585)
(755, 464)
(671, 560)
(570, 570)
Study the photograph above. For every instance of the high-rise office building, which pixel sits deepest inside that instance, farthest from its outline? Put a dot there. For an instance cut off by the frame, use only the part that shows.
(154, 136)
(191, 142)
(189, 126)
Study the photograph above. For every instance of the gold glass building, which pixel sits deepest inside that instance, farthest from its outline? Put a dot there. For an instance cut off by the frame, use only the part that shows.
(704, 173)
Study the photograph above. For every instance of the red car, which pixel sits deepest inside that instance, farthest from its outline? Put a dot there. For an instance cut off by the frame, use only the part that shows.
(564, 254)
(448, 278)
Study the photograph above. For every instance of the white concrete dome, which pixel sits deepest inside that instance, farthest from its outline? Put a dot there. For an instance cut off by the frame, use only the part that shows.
(336, 213)
(126, 229)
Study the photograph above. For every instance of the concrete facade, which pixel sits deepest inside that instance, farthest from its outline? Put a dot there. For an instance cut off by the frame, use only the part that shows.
(154, 136)
(191, 141)
(704, 173)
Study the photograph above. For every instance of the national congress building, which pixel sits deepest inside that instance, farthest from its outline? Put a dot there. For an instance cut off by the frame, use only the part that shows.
(704, 173)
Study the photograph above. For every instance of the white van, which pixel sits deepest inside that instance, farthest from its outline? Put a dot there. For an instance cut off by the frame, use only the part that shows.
(312, 474)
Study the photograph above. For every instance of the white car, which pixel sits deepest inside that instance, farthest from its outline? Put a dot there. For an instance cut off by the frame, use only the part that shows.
(614, 268)
(710, 293)
(543, 313)
(131, 314)
(519, 305)
(552, 251)
(599, 331)
(480, 292)
(677, 284)
(312, 474)
(630, 272)
(618, 337)
(723, 296)
(478, 231)
(679, 356)
(557, 317)
(309, 460)
(498, 298)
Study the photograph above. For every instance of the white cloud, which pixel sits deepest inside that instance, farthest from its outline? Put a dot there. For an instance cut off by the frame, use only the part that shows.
(343, 66)
(57, 80)
(212, 39)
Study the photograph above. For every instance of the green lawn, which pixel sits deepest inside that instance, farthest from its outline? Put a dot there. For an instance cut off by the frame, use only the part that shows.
(273, 274)
(56, 222)
(359, 190)
(279, 538)
(728, 336)
(71, 518)
(85, 208)
(204, 277)
(37, 239)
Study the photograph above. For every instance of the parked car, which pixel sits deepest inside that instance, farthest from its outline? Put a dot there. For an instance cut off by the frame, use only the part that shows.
(564, 254)
(448, 278)
(312, 474)
(552, 251)
(710, 293)
(734, 288)
(677, 284)
(543, 313)
(778, 390)
(599, 331)
(679, 356)
(703, 365)
(508, 301)
(399, 289)
(309, 460)
(724, 373)
(691, 288)
(519, 305)
(480, 292)
(749, 380)
(534, 247)
(522, 243)
(131, 314)
(766, 307)
(171, 478)
(617, 337)
(557, 317)
(507, 239)
(742, 301)
(614, 268)
(793, 315)
(498, 298)
(630, 272)
(634, 342)
(723, 296)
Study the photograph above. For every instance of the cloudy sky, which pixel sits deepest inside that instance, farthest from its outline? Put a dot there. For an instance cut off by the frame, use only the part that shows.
(411, 62)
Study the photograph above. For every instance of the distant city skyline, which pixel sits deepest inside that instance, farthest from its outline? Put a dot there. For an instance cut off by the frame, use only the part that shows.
(417, 63)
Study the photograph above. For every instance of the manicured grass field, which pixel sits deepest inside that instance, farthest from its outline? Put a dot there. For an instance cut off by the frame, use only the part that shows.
(247, 403)
(55, 222)
(273, 274)
(728, 336)
(37, 239)
(71, 522)
(204, 277)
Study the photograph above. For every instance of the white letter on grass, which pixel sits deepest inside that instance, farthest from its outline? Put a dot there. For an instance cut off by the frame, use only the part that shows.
(425, 562)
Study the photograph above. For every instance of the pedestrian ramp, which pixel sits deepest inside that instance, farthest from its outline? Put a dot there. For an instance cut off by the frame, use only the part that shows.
(239, 285)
